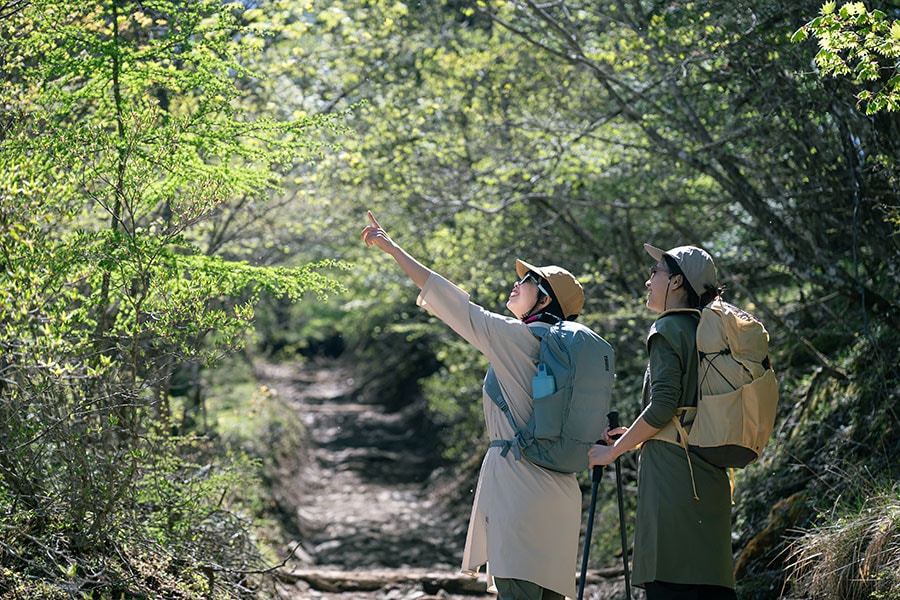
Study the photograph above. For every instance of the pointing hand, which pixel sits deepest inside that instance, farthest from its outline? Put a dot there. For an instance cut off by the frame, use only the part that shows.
(374, 234)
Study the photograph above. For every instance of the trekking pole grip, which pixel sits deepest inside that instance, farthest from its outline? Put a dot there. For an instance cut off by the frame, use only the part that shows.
(613, 419)
(597, 472)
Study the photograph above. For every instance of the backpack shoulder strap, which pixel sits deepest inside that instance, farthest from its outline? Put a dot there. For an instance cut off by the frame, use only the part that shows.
(675, 432)
(492, 388)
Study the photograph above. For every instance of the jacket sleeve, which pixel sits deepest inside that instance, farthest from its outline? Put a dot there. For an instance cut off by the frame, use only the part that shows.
(507, 343)
(672, 347)
(487, 331)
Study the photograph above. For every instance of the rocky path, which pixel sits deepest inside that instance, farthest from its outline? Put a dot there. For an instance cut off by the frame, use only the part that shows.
(364, 501)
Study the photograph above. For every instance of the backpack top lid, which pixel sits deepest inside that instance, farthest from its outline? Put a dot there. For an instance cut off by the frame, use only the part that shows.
(723, 325)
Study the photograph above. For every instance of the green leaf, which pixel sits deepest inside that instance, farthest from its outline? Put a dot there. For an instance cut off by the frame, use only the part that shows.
(800, 35)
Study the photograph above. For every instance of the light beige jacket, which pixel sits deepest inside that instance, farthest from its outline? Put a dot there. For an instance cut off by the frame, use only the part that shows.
(525, 519)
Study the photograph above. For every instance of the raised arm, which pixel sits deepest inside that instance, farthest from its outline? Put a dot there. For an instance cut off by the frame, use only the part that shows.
(373, 234)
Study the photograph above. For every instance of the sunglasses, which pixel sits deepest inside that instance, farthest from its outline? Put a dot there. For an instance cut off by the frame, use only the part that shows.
(537, 282)
(655, 270)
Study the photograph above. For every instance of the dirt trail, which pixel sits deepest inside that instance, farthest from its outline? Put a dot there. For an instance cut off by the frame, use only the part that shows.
(364, 504)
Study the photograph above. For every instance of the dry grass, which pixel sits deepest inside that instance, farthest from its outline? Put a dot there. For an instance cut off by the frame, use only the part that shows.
(857, 557)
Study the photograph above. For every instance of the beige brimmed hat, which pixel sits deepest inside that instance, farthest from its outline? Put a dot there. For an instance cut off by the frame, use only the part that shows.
(696, 264)
(566, 289)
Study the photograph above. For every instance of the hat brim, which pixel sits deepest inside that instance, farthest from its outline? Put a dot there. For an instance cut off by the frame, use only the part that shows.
(564, 287)
(523, 267)
(655, 252)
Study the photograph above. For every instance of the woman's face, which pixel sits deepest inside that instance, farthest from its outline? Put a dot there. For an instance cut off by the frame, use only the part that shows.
(658, 287)
(523, 296)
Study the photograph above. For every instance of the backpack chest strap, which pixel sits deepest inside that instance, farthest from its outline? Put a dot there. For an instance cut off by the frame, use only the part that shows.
(508, 445)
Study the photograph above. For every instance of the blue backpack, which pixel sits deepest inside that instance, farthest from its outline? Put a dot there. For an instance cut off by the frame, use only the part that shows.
(567, 422)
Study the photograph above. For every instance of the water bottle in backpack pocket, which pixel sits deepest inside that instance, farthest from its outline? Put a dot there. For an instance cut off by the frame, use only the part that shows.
(542, 384)
(548, 406)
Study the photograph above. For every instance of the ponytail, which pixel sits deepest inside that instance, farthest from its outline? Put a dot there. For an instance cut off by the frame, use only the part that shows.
(694, 300)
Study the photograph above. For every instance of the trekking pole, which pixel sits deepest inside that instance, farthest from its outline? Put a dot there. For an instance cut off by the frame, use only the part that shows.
(613, 418)
(596, 476)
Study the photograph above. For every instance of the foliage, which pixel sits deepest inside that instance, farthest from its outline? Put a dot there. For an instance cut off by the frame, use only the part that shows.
(150, 179)
(853, 552)
(123, 133)
(570, 135)
(824, 455)
(453, 398)
(861, 44)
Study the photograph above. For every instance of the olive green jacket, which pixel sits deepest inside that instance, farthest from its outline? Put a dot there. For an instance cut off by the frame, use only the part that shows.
(678, 539)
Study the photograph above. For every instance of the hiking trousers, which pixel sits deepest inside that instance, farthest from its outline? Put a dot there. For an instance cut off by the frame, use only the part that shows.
(519, 589)
(661, 590)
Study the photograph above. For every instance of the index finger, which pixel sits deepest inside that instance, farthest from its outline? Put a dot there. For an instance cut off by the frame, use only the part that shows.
(372, 219)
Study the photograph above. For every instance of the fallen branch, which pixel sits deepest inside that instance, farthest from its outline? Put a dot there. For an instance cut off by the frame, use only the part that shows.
(334, 581)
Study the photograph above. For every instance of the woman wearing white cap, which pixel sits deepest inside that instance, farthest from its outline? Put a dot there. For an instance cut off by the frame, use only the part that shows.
(525, 519)
(682, 538)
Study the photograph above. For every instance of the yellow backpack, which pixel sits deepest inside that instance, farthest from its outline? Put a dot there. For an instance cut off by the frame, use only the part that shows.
(738, 392)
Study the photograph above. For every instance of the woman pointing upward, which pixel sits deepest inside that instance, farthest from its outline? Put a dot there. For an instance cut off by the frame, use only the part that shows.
(525, 519)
